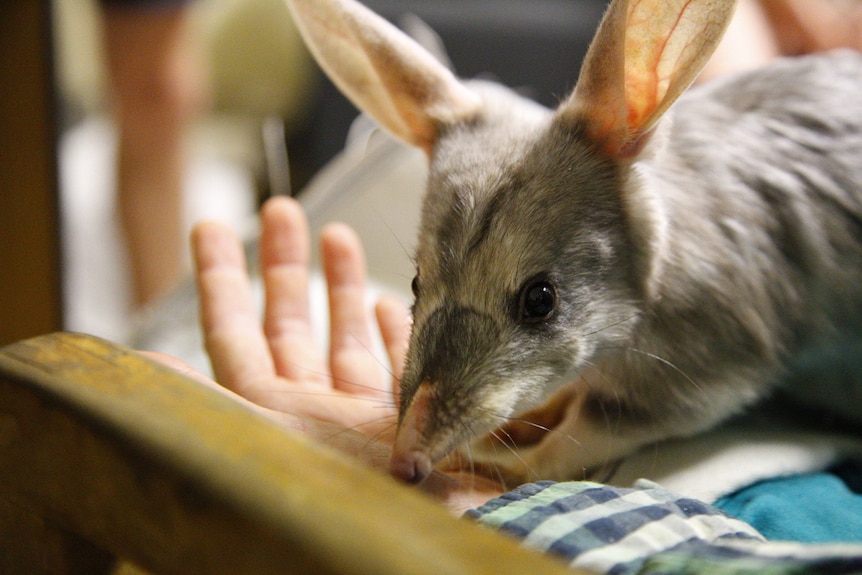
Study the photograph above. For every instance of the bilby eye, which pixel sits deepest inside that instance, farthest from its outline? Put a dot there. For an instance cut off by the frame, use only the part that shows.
(538, 301)
(414, 285)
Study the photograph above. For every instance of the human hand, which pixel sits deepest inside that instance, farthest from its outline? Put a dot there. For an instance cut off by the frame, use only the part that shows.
(278, 364)
(346, 399)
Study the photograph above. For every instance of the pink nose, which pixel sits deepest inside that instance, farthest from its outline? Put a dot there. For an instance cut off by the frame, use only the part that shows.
(411, 466)
(411, 461)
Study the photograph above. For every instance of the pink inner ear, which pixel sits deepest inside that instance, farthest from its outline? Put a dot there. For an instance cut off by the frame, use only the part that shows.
(383, 71)
(621, 122)
(645, 55)
(648, 71)
(613, 142)
(642, 95)
(616, 138)
(661, 59)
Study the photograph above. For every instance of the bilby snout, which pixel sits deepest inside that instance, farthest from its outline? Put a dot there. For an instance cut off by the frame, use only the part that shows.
(448, 371)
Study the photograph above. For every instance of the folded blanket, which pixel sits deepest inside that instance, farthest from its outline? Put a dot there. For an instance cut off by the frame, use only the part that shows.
(818, 507)
(648, 530)
(761, 445)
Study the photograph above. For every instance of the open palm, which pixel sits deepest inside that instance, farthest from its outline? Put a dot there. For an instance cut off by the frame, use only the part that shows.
(346, 397)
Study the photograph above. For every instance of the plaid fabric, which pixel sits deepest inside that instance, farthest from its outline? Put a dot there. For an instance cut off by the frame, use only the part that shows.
(647, 530)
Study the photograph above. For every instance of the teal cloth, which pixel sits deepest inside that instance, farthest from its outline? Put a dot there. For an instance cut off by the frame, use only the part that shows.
(646, 530)
(812, 508)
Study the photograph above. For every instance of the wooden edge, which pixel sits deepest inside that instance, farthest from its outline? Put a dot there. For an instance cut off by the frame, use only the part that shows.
(30, 256)
(179, 478)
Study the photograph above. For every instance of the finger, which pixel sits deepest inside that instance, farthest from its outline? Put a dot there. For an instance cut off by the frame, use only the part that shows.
(394, 321)
(284, 250)
(234, 341)
(351, 360)
(185, 369)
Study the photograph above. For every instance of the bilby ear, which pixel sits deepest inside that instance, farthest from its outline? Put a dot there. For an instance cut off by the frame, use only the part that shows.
(644, 55)
(383, 71)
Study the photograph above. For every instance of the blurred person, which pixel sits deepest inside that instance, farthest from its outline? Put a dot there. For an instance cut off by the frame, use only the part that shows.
(158, 87)
(763, 30)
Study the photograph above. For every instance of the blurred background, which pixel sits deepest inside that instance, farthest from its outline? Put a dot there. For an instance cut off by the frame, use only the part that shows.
(154, 114)
(228, 87)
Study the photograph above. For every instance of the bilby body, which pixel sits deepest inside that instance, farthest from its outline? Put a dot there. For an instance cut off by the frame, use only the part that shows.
(643, 273)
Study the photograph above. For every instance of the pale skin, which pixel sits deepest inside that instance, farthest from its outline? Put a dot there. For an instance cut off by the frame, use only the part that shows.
(762, 30)
(345, 397)
(158, 88)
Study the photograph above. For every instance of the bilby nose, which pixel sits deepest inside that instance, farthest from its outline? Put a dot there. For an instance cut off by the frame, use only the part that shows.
(410, 460)
(411, 466)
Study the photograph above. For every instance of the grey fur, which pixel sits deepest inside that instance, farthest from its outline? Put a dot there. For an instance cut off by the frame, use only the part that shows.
(692, 251)
(686, 279)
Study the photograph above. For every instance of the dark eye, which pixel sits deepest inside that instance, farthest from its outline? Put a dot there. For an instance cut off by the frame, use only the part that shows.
(414, 285)
(538, 301)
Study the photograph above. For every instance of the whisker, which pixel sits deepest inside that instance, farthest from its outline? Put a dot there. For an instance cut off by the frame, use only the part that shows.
(661, 360)
(615, 324)
(611, 423)
(330, 393)
(512, 447)
(384, 430)
(369, 438)
(383, 364)
(324, 375)
(470, 459)
(403, 247)
(670, 365)
(466, 451)
(547, 429)
(527, 422)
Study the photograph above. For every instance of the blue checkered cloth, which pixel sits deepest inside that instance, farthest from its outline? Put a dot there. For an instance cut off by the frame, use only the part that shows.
(648, 530)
